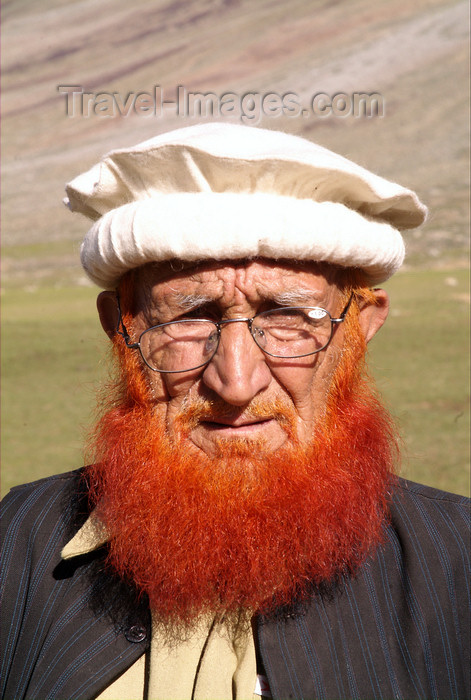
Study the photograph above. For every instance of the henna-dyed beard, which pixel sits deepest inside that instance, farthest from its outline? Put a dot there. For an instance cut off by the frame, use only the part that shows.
(248, 528)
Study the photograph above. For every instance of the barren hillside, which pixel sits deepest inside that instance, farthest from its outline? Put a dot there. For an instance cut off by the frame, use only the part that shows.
(414, 56)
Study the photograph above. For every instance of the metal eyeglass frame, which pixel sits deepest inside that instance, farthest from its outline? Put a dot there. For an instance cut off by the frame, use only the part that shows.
(218, 324)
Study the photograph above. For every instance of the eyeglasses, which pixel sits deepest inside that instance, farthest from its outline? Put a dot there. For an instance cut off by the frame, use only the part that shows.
(190, 343)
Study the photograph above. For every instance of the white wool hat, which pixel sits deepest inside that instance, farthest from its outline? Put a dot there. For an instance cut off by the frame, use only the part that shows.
(228, 192)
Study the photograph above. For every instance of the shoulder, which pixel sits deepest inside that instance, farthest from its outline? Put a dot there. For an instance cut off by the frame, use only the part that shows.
(37, 520)
(421, 491)
(56, 479)
(431, 529)
(48, 483)
(31, 509)
(412, 500)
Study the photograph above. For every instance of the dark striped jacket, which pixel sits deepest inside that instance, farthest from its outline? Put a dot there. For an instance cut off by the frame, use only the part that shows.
(399, 629)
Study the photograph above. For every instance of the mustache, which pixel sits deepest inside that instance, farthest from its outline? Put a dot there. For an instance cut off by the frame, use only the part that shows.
(198, 409)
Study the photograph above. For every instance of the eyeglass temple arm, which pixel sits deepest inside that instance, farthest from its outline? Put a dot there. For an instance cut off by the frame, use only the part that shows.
(124, 333)
(344, 312)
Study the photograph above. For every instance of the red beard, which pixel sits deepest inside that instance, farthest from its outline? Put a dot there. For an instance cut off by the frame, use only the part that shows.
(245, 529)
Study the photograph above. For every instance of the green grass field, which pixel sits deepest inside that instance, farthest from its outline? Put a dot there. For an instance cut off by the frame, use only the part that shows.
(54, 355)
(421, 362)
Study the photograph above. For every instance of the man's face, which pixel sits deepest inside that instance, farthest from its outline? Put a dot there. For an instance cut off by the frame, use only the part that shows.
(207, 456)
(240, 373)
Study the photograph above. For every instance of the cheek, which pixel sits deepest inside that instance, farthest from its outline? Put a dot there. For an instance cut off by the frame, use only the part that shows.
(165, 387)
(308, 380)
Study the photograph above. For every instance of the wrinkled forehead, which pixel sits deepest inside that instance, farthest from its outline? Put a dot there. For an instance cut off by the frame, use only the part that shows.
(257, 280)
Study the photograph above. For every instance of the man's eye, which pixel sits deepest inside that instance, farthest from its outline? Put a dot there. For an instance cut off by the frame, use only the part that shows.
(285, 317)
(152, 321)
(199, 312)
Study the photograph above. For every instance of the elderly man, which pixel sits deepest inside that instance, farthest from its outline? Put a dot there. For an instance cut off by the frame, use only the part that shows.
(239, 531)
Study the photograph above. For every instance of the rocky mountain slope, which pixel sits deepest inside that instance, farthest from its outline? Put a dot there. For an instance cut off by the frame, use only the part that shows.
(260, 61)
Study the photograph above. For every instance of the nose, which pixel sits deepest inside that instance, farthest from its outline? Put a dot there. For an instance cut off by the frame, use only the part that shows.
(238, 370)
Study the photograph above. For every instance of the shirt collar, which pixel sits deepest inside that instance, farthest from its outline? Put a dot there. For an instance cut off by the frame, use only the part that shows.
(91, 536)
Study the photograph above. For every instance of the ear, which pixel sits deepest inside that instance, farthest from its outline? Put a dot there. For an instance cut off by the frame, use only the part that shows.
(372, 316)
(107, 306)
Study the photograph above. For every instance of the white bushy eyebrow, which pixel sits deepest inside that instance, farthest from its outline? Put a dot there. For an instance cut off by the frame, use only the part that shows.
(187, 302)
(294, 297)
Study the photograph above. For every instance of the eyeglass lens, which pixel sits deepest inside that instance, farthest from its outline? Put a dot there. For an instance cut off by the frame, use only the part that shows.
(191, 343)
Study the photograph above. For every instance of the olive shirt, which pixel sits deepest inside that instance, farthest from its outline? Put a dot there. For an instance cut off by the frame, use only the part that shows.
(398, 629)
